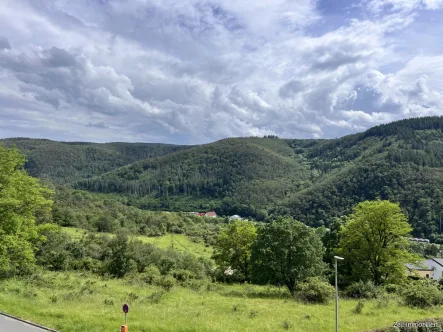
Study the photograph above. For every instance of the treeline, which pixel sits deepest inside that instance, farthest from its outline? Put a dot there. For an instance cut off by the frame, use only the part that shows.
(405, 128)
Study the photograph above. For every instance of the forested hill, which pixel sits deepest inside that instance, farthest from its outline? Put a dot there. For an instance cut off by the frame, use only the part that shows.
(400, 161)
(64, 162)
(312, 180)
(242, 175)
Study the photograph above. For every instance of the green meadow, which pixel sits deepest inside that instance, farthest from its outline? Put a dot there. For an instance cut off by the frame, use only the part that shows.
(179, 242)
(74, 302)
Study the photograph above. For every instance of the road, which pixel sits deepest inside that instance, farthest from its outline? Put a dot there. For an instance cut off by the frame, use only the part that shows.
(8, 324)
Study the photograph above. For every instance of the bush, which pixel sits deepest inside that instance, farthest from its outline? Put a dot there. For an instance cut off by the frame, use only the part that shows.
(392, 288)
(314, 290)
(196, 284)
(167, 282)
(383, 300)
(156, 297)
(87, 264)
(182, 275)
(359, 307)
(422, 295)
(286, 325)
(108, 302)
(362, 290)
(151, 275)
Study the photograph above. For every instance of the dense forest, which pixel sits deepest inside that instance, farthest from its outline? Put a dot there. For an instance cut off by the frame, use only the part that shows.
(313, 181)
(64, 162)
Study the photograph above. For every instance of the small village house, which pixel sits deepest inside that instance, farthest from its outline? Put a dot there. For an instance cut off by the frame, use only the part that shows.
(428, 269)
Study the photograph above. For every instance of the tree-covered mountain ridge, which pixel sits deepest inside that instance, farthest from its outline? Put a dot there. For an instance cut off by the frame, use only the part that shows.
(64, 162)
(312, 180)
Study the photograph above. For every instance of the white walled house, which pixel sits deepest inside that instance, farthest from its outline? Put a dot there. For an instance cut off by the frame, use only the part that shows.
(430, 269)
(438, 268)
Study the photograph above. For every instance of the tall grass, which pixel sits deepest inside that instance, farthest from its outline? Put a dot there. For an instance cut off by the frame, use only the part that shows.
(83, 302)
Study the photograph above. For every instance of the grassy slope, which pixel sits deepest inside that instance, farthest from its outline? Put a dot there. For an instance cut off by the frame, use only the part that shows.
(181, 242)
(225, 308)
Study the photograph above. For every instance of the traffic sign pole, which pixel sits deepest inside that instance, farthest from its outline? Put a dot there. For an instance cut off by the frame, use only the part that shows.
(124, 328)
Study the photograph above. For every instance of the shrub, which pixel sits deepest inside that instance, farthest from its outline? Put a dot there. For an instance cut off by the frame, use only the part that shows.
(286, 325)
(87, 264)
(362, 290)
(391, 288)
(253, 313)
(132, 297)
(167, 282)
(166, 264)
(314, 290)
(182, 275)
(156, 296)
(108, 302)
(196, 285)
(422, 295)
(151, 275)
(359, 307)
(383, 300)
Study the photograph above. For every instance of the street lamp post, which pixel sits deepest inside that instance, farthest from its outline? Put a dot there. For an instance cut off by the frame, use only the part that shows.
(336, 292)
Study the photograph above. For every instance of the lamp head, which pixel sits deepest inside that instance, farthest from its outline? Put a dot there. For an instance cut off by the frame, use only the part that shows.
(338, 257)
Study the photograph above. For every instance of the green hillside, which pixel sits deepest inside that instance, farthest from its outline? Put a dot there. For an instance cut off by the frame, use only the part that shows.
(401, 162)
(245, 175)
(64, 162)
(312, 180)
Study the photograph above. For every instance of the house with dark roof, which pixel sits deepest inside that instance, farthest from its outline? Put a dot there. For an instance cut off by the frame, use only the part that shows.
(429, 269)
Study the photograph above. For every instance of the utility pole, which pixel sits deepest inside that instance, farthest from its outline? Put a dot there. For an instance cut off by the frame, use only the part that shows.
(336, 292)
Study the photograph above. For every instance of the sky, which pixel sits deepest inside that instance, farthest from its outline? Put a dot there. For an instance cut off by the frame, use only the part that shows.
(195, 71)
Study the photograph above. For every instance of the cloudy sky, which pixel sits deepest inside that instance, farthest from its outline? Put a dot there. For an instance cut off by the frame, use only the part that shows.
(194, 71)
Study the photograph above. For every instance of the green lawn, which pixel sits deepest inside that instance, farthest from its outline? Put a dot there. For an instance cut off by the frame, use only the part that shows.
(181, 242)
(77, 302)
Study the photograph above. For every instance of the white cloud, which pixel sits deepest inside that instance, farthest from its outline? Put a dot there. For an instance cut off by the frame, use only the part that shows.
(195, 71)
(403, 5)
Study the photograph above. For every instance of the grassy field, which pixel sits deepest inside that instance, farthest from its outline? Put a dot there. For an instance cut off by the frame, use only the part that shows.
(181, 242)
(82, 302)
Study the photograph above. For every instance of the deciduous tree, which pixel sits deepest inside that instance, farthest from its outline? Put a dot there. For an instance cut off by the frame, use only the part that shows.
(286, 252)
(21, 199)
(234, 246)
(374, 242)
